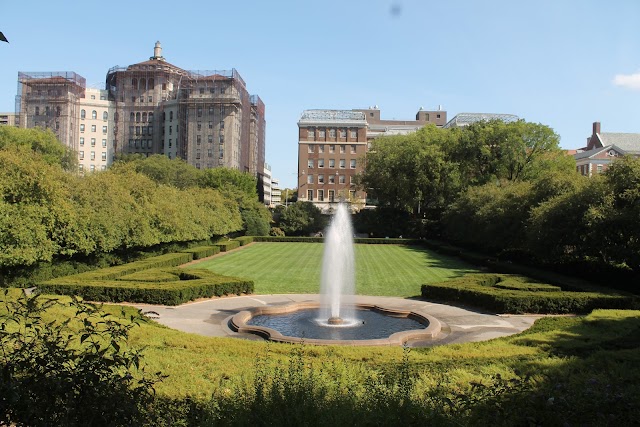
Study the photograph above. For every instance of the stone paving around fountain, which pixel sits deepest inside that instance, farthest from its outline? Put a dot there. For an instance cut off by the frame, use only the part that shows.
(210, 317)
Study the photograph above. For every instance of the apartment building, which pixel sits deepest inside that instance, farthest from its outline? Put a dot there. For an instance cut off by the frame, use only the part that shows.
(332, 145)
(206, 118)
(8, 119)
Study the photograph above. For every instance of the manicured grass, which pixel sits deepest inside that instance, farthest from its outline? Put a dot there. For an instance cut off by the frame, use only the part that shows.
(281, 268)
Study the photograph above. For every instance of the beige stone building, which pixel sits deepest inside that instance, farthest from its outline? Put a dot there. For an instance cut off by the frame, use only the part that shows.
(332, 145)
(8, 119)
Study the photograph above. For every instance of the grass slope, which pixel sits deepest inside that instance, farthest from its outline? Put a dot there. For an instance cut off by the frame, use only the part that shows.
(280, 268)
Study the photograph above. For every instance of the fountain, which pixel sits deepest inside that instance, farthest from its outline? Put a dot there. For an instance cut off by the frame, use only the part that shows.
(337, 319)
(337, 283)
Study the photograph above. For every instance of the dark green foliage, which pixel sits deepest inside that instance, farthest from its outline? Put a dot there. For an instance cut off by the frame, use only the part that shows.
(71, 373)
(300, 219)
(516, 294)
(256, 222)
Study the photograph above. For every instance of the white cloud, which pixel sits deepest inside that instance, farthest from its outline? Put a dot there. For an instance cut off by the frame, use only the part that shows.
(630, 81)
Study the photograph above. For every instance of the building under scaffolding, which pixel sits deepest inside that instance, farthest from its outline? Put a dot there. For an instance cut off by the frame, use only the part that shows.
(204, 117)
(50, 100)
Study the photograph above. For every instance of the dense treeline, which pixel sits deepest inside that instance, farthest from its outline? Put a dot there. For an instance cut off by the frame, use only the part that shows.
(509, 190)
(48, 213)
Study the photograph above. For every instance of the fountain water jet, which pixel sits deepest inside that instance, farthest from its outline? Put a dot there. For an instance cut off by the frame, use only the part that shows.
(337, 283)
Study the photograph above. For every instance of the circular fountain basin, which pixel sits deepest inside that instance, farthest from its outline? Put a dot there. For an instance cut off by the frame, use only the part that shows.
(301, 322)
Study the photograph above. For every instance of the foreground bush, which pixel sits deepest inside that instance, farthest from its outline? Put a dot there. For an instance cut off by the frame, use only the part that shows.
(76, 372)
(504, 293)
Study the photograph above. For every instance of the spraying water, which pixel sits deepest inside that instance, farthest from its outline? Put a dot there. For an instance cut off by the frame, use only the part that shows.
(338, 270)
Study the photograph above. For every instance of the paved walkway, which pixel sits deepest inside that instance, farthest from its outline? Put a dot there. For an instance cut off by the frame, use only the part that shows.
(210, 317)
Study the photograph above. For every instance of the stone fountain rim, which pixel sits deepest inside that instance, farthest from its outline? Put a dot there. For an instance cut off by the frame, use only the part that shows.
(238, 323)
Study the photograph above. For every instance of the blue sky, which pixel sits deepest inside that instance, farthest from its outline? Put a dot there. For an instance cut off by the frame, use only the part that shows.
(562, 63)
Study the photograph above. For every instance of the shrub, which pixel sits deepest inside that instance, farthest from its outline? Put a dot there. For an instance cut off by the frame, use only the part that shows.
(228, 245)
(71, 374)
(245, 240)
(276, 231)
(200, 252)
(151, 286)
(520, 295)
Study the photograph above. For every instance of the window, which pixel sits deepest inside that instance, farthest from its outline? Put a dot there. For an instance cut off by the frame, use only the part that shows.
(201, 91)
(332, 148)
(332, 179)
(353, 149)
(142, 98)
(81, 155)
(170, 129)
(210, 125)
(82, 127)
(438, 116)
(352, 163)
(104, 156)
(199, 113)
(209, 153)
(310, 148)
(93, 142)
(103, 168)
(169, 142)
(105, 116)
(142, 84)
(332, 133)
(321, 195)
(311, 133)
(150, 116)
(93, 128)
(92, 168)
(37, 111)
(310, 164)
(93, 155)
(354, 134)
(221, 124)
(599, 168)
(210, 139)
(332, 163)
(93, 97)
(310, 179)
(170, 115)
(351, 179)
(83, 114)
(332, 196)
(197, 154)
(321, 133)
(343, 133)
(81, 142)
(80, 168)
(104, 129)
(199, 126)
(352, 194)
(104, 143)
(342, 179)
(211, 110)
(94, 114)
(342, 163)
(310, 195)
(197, 165)
(342, 149)
(137, 130)
(199, 139)
(131, 143)
(320, 163)
(321, 149)
(321, 179)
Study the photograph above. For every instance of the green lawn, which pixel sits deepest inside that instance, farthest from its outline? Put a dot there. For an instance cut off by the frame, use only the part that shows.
(280, 268)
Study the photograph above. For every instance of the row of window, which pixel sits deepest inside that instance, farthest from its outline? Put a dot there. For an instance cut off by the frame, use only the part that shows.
(331, 195)
(92, 168)
(94, 128)
(94, 115)
(332, 163)
(141, 130)
(332, 148)
(93, 142)
(48, 111)
(141, 117)
(311, 133)
(142, 84)
(142, 143)
(342, 179)
(92, 155)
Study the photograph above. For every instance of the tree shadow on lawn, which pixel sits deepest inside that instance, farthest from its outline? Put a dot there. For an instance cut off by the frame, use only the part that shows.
(434, 259)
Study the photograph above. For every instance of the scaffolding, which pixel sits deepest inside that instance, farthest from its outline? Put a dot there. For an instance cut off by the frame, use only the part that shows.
(50, 100)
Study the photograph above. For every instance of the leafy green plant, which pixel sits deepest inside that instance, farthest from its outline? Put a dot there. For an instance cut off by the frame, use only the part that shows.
(74, 372)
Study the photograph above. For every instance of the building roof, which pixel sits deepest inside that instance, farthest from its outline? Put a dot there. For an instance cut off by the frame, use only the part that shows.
(595, 151)
(629, 142)
(464, 119)
(332, 116)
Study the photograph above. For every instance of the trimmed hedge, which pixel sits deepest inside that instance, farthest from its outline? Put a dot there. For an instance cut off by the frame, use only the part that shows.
(245, 240)
(200, 252)
(185, 287)
(228, 245)
(529, 297)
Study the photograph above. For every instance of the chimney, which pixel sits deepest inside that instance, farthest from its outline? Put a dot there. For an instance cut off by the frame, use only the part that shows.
(596, 127)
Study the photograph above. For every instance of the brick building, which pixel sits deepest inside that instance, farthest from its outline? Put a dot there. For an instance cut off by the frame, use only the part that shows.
(603, 148)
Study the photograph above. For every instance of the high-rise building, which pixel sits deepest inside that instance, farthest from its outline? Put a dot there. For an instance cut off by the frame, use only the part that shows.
(206, 118)
(332, 145)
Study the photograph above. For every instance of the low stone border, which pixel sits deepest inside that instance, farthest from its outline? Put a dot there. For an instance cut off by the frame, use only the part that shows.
(238, 323)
